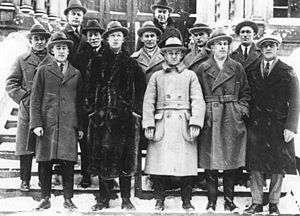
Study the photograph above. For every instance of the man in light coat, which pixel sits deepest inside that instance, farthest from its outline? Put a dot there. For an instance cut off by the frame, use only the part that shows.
(222, 143)
(18, 87)
(173, 114)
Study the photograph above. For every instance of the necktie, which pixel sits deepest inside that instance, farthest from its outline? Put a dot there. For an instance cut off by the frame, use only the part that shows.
(246, 52)
(61, 67)
(266, 70)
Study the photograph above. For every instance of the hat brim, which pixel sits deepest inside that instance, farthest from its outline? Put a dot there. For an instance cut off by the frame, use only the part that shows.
(66, 11)
(218, 38)
(85, 30)
(171, 47)
(68, 42)
(161, 6)
(259, 43)
(246, 23)
(121, 29)
(199, 29)
(141, 31)
(45, 34)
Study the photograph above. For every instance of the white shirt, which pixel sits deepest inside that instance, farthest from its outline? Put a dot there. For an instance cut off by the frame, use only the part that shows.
(220, 63)
(244, 47)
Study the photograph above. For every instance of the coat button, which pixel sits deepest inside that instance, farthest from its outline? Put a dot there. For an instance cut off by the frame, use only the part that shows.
(168, 96)
(215, 120)
(216, 105)
(179, 97)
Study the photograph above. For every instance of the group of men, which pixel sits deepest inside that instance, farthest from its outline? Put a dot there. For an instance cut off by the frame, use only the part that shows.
(208, 108)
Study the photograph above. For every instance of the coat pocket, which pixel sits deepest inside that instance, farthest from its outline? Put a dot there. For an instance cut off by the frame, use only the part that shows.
(159, 126)
(185, 131)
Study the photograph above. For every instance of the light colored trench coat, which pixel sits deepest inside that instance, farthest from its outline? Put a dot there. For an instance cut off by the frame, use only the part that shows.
(173, 101)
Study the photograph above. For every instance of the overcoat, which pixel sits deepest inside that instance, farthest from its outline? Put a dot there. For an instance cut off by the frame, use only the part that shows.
(147, 63)
(193, 59)
(18, 87)
(274, 107)
(173, 101)
(56, 104)
(222, 142)
(119, 85)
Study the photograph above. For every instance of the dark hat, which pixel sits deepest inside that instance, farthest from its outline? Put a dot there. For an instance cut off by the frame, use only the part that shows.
(161, 4)
(246, 23)
(93, 25)
(38, 29)
(197, 27)
(59, 37)
(173, 43)
(269, 38)
(114, 26)
(149, 26)
(217, 35)
(74, 4)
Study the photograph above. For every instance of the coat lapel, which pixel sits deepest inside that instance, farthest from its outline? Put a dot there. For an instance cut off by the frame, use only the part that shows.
(203, 54)
(54, 69)
(225, 74)
(33, 59)
(143, 58)
(252, 55)
(156, 59)
(70, 72)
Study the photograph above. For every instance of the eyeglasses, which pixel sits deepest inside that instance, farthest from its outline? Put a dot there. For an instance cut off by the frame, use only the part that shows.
(245, 31)
(268, 44)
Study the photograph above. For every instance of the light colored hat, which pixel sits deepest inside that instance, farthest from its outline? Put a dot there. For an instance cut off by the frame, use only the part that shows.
(59, 37)
(217, 35)
(173, 43)
(114, 26)
(74, 4)
(269, 37)
(150, 27)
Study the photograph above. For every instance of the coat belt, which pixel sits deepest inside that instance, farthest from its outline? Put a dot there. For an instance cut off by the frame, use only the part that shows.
(221, 98)
(173, 105)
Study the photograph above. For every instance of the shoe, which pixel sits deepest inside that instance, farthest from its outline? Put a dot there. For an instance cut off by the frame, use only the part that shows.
(85, 181)
(273, 209)
(187, 205)
(211, 206)
(254, 208)
(68, 204)
(127, 204)
(230, 206)
(25, 186)
(160, 205)
(100, 205)
(44, 204)
(113, 195)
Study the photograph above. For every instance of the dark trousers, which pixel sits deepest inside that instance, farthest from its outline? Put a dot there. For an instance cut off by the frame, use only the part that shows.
(84, 147)
(45, 175)
(25, 167)
(159, 186)
(228, 184)
(105, 187)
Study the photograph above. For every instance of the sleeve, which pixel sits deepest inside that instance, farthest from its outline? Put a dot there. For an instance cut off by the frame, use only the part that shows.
(14, 81)
(80, 96)
(244, 93)
(198, 105)
(140, 87)
(36, 99)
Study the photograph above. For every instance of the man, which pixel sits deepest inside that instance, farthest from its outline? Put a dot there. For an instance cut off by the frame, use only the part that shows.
(119, 85)
(199, 53)
(73, 30)
(222, 142)
(273, 122)
(173, 113)
(55, 108)
(18, 87)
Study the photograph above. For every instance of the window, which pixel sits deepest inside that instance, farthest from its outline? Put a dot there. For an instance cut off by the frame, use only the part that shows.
(286, 8)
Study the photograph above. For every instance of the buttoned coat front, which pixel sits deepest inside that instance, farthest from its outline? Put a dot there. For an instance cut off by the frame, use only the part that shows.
(55, 106)
(173, 101)
(18, 87)
(222, 143)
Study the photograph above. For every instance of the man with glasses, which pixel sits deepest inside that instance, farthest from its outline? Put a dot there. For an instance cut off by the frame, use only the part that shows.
(273, 122)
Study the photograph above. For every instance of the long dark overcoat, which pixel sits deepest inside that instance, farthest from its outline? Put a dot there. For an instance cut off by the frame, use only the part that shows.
(119, 84)
(18, 87)
(222, 142)
(56, 106)
(274, 107)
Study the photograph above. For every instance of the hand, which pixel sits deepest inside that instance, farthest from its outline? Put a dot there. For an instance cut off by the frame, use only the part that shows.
(194, 131)
(80, 134)
(288, 135)
(38, 131)
(149, 133)
(136, 115)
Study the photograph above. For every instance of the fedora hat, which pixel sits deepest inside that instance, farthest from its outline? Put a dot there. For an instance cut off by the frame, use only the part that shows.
(173, 43)
(161, 4)
(93, 25)
(197, 27)
(59, 37)
(217, 35)
(114, 26)
(38, 29)
(246, 23)
(269, 38)
(148, 26)
(74, 4)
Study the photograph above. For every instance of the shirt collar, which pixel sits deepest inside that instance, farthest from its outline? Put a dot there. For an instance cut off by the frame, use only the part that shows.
(244, 47)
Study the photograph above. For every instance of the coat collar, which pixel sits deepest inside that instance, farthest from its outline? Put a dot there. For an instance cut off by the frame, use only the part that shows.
(179, 67)
(156, 59)
(197, 57)
(143, 58)
(252, 56)
(32, 59)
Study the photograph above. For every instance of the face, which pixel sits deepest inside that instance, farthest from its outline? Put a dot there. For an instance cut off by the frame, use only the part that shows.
(200, 38)
(94, 38)
(115, 40)
(149, 39)
(173, 57)
(60, 52)
(269, 50)
(220, 49)
(161, 14)
(246, 35)
(75, 17)
(38, 42)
